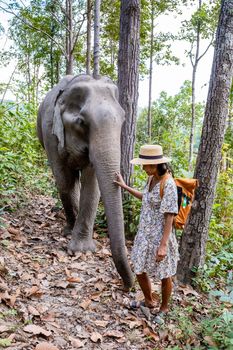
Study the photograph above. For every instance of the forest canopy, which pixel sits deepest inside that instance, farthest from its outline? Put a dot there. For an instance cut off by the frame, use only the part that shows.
(53, 38)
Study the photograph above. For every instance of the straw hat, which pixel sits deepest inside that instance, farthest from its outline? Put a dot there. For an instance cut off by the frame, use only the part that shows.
(150, 154)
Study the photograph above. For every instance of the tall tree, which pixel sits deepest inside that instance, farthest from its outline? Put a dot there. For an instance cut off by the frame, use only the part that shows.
(202, 25)
(88, 54)
(158, 47)
(128, 72)
(97, 39)
(195, 234)
(151, 68)
(69, 37)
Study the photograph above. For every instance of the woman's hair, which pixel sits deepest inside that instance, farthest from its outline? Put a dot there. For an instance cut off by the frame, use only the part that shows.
(163, 168)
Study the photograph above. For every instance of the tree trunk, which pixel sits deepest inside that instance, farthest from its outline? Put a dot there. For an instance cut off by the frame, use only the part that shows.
(57, 70)
(88, 56)
(151, 70)
(96, 39)
(128, 63)
(191, 139)
(195, 234)
(69, 37)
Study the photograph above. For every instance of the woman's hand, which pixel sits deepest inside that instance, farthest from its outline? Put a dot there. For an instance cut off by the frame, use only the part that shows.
(119, 180)
(161, 252)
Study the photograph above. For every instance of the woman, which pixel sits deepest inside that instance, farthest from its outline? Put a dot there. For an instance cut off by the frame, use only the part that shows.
(155, 250)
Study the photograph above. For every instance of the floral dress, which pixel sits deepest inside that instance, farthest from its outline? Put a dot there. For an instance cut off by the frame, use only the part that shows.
(150, 232)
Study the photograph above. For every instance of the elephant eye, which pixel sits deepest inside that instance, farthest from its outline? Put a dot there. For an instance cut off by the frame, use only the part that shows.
(80, 121)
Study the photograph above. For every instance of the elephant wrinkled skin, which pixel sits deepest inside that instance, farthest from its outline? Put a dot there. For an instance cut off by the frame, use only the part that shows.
(79, 125)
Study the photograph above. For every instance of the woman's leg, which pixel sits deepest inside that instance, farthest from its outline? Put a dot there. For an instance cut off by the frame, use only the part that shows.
(145, 285)
(166, 285)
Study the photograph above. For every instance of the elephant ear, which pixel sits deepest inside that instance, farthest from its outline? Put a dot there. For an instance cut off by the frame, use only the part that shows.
(58, 127)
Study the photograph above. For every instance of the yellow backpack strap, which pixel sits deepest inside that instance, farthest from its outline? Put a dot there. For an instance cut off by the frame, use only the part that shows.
(162, 183)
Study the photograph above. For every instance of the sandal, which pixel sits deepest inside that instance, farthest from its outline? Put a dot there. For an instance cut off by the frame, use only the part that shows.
(134, 304)
(159, 318)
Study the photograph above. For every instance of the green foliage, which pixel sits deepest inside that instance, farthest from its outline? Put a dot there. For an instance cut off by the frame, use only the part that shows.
(219, 249)
(171, 122)
(215, 331)
(132, 205)
(170, 125)
(5, 342)
(21, 158)
(101, 221)
(220, 329)
(204, 20)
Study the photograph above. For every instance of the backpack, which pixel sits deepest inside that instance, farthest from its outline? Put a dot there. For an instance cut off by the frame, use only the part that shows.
(185, 191)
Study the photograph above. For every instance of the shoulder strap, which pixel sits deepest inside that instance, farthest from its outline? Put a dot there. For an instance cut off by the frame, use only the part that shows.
(162, 183)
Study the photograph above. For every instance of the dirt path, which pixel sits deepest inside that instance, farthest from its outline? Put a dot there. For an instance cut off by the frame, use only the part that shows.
(70, 302)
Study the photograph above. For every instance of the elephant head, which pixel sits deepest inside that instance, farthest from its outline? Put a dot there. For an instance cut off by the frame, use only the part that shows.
(87, 122)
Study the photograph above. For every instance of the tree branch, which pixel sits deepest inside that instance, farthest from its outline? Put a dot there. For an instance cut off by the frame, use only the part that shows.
(211, 42)
(33, 27)
(77, 35)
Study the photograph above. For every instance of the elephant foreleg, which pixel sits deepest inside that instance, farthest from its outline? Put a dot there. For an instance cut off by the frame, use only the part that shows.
(89, 198)
(69, 189)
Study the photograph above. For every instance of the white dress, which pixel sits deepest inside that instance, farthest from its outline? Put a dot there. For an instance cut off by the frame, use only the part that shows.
(150, 232)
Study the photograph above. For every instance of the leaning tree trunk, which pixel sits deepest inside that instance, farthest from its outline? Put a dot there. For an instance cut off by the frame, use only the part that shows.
(69, 37)
(128, 62)
(151, 70)
(191, 138)
(194, 238)
(88, 55)
(96, 39)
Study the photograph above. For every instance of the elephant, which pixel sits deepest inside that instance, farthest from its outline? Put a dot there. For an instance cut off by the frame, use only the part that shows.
(79, 125)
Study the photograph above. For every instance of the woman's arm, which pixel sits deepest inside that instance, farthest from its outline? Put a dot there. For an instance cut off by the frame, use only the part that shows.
(162, 250)
(120, 182)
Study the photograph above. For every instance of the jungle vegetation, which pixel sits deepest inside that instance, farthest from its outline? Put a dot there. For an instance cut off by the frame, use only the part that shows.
(52, 38)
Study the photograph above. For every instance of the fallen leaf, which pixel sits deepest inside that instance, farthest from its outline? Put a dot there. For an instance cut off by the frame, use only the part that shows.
(3, 269)
(96, 296)
(73, 279)
(46, 346)
(3, 286)
(11, 336)
(5, 328)
(100, 286)
(95, 337)
(210, 341)
(132, 324)
(34, 290)
(33, 311)
(147, 332)
(41, 276)
(101, 323)
(62, 284)
(105, 251)
(68, 273)
(45, 224)
(76, 343)
(49, 317)
(31, 328)
(78, 266)
(114, 334)
(9, 299)
(42, 308)
(13, 231)
(26, 276)
(84, 305)
(188, 290)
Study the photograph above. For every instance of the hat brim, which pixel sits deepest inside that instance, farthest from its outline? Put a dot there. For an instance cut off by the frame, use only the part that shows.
(140, 161)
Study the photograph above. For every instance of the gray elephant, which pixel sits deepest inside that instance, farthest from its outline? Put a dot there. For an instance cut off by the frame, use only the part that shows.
(79, 125)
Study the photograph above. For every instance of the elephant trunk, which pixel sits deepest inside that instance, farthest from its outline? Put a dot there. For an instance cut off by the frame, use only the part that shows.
(106, 161)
